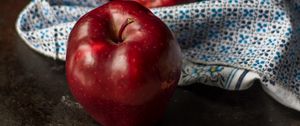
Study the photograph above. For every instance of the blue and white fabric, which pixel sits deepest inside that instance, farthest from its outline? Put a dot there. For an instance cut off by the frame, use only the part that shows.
(225, 43)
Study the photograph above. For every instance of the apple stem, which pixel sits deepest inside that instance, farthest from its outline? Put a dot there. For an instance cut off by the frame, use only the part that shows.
(126, 23)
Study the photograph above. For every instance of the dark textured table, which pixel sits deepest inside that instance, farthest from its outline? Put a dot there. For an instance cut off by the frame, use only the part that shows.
(33, 92)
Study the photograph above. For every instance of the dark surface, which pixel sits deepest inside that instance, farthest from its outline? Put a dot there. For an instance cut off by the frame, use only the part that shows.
(33, 92)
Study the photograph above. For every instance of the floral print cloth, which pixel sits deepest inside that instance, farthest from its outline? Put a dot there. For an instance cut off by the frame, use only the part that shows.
(225, 43)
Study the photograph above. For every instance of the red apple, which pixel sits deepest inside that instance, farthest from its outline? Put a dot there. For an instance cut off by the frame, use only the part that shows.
(160, 3)
(122, 64)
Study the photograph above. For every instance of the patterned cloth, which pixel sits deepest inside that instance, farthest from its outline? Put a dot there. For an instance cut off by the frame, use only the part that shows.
(225, 43)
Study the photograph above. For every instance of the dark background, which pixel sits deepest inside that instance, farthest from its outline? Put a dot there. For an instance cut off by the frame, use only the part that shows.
(34, 92)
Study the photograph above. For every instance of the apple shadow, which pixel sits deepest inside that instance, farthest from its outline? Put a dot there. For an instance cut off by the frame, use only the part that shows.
(209, 106)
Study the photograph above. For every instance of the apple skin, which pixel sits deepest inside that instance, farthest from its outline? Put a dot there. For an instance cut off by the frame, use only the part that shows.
(160, 3)
(122, 75)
